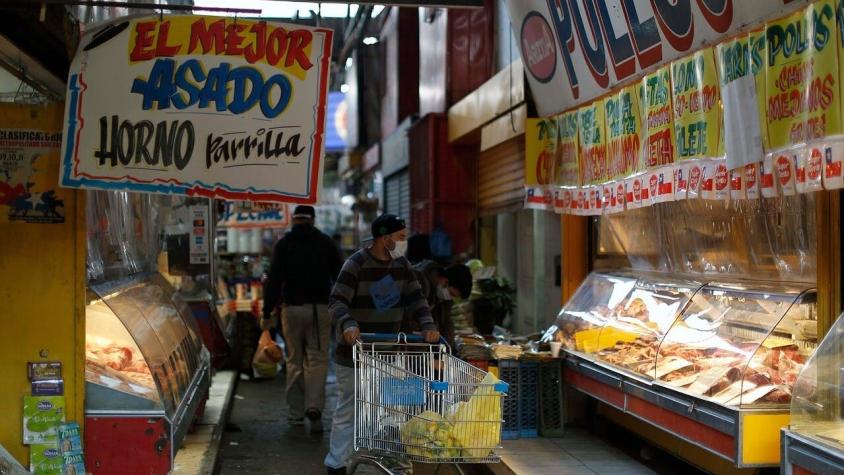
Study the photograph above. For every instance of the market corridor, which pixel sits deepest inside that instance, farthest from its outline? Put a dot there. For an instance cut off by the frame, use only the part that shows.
(258, 441)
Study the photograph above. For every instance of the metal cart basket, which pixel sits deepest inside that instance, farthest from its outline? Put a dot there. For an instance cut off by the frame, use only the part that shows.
(415, 402)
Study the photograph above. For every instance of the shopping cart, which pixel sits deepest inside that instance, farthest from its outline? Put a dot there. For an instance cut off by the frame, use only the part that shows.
(415, 402)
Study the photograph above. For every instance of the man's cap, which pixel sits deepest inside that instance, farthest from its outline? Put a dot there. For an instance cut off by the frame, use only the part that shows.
(387, 224)
(304, 211)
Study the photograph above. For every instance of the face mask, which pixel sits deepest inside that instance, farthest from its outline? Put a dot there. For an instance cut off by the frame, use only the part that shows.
(400, 250)
(443, 293)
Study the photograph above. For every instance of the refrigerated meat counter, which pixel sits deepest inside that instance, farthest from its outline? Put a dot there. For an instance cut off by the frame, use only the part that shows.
(147, 374)
(813, 443)
(713, 363)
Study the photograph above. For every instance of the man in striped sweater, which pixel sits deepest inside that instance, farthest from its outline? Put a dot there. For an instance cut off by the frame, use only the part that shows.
(373, 291)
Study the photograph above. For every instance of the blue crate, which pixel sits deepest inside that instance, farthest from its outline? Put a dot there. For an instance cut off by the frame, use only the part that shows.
(529, 399)
(508, 371)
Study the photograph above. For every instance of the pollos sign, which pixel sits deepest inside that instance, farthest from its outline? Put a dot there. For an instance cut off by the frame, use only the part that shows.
(599, 44)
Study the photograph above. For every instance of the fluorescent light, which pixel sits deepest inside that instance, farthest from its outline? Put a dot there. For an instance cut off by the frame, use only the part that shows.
(348, 63)
(344, 88)
(370, 40)
(376, 10)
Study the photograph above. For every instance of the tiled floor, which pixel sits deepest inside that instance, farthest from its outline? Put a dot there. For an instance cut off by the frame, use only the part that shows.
(578, 453)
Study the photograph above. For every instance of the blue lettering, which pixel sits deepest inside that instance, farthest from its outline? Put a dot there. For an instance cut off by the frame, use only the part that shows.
(621, 49)
(595, 57)
(646, 37)
(561, 19)
(159, 87)
(187, 86)
(240, 76)
(215, 88)
(237, 90)
(285, 89)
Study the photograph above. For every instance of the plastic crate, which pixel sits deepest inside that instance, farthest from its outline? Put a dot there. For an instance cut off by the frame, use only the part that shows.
(551, 403)
(508, 371)
(529, 396)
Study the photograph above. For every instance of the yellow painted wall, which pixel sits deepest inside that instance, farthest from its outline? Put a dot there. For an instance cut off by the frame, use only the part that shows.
(42, 285)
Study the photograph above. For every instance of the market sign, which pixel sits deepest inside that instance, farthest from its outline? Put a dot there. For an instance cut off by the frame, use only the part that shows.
(575, 51)
(200, 106)
(265, 215)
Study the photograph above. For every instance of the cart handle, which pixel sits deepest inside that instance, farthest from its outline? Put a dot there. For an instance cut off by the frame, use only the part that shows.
(395, 337)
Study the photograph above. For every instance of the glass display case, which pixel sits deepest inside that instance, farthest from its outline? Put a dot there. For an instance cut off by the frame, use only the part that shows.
(740, 346)
(145, 364)
(631, 336)
(579, 323)
(715, 362)
(814, 439)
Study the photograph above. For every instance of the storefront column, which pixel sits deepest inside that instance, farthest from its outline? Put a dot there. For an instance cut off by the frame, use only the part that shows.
(507, 243)
(828, 209)
(574, 248)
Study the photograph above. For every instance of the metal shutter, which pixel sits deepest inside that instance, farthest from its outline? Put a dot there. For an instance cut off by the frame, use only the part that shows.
(501, 177)
(404, 196)
(397, 195)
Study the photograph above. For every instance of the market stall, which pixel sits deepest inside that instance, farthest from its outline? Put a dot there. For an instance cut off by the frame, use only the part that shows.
(146, 374)
(813, 442)
(714, 364)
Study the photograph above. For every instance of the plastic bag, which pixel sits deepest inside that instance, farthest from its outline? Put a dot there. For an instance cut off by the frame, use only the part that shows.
(267, 356)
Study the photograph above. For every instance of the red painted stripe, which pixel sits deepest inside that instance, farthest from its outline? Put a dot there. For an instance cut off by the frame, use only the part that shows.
(594, 388)
(683, 426)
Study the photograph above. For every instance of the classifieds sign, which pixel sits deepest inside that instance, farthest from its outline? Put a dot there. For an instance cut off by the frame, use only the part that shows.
(196, 105)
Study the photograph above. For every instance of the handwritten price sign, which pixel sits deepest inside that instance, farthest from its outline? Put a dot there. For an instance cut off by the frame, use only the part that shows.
(201, 106)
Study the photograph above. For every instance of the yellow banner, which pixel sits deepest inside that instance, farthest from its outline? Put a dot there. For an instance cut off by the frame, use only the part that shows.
(623, 112)
(568, 162)
(802, 76)
(540, 151)
(697, 106)
(659, 119)
(593, 143)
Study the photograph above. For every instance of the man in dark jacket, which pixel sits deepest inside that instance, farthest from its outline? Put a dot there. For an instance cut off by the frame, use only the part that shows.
(304, 267)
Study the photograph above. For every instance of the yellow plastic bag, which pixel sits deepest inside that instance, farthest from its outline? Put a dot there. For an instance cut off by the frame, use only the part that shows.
(477, 423)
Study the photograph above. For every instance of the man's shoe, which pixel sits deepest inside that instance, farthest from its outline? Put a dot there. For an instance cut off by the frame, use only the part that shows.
(335, 471)
(296, 421)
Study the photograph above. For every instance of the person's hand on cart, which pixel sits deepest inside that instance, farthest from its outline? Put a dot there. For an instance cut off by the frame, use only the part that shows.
(351, 335)
(431, 336)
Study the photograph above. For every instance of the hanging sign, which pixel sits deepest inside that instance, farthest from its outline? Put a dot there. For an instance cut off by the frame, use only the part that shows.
(697, 106)
(659, 118)
(576, 51)
(266, 215)
(568, 152)
(30, 138)
(593, 143)
(199, 242)
(540, 151)
(623, 125)
(540, 162)
(739, 93)
(201, 106)
(803, 94)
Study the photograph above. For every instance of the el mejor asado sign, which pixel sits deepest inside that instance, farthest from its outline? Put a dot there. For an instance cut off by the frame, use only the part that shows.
(201, 106)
